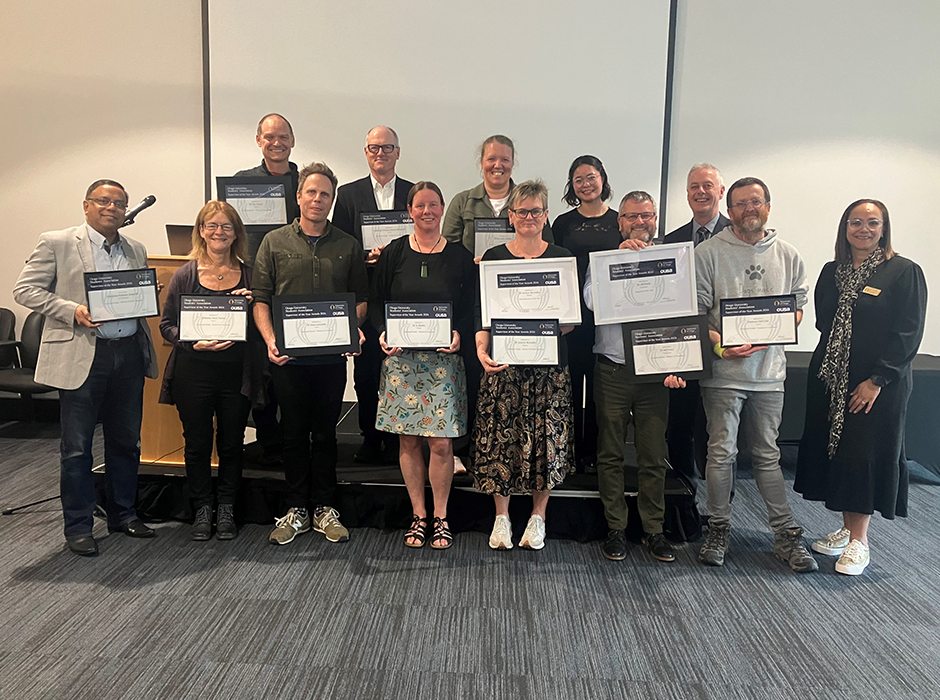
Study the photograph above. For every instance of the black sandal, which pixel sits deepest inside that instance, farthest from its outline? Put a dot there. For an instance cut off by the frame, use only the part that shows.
(441, 533)
(417, 533)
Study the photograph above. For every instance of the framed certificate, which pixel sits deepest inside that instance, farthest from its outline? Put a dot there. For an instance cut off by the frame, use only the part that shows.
(379, 228)
(524, 342)
(758, 320)
(418, 326)
(259, 200)
(657, 348)
(489, 233)
(315, 324)
(631, 285)
(213, 317)
(530, 290)
(122, 294)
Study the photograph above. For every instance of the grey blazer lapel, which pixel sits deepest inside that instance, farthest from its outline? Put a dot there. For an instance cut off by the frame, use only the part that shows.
(83, 244)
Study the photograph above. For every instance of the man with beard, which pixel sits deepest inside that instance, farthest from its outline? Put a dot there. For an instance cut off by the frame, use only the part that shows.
(616, 396)
(747, 260)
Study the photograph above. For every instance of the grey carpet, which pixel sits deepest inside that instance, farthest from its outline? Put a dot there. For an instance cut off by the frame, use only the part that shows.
(170, 618)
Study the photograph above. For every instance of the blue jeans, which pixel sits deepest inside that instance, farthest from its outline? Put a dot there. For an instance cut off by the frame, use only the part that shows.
(761, 412)
(113, 392)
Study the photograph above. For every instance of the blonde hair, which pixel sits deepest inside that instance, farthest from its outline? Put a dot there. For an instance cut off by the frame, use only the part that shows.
(239, 249)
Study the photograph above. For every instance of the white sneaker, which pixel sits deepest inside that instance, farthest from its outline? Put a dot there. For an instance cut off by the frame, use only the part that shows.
(854, 559)
(501, 537)
(534, 535)
(833, 543)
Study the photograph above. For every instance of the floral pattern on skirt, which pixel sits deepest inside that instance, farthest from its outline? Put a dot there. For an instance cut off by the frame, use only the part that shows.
(522, 437)
(423, 392)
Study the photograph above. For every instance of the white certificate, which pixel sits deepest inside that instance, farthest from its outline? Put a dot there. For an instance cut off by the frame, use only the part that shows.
(121, 294)
(489, 233)
(418, 326)
(259, 201)
(667, 350)
(530, 290)
(769, 320)
(316, 324)
(379, 228)
(633, 285)
(524, 342)
(205, 317)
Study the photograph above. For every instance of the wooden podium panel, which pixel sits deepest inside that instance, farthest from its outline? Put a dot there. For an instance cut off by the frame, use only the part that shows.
(161, 433)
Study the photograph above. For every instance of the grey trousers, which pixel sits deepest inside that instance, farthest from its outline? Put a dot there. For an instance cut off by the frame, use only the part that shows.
(761, 413)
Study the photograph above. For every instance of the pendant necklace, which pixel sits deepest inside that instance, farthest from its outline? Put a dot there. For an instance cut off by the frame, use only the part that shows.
(424, 263)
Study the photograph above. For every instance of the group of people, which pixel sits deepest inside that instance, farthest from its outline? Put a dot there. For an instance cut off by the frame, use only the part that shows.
(528, 426)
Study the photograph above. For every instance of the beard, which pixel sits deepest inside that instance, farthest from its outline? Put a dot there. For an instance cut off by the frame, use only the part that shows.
(752, 225)
(643, 232)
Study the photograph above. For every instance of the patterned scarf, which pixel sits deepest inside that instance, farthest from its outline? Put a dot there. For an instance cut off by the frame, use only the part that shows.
(834, 370)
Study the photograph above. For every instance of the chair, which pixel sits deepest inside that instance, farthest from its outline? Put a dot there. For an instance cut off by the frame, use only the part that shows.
(18, 360)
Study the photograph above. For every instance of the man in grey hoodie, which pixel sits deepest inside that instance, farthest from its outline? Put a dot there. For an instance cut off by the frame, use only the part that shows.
(747, 260)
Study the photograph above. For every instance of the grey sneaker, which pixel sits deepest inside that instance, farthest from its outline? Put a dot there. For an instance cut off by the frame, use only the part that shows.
(789, 547)
(833, 543)
(296, 522)
(713, 551)
(202, 525)
(326, 520)
(225, 528)
(854, 559)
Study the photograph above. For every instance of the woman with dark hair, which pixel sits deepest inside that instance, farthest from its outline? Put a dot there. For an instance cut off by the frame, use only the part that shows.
(870, 309)
(210, 378)
(423, 393)
(590, 227)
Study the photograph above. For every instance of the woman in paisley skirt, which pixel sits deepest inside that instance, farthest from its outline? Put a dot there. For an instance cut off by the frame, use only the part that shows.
(423, 393)
(522, 438)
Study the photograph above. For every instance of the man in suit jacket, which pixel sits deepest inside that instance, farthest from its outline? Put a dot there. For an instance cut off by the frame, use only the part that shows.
(98, 368)
(687, 437)
(381, 190)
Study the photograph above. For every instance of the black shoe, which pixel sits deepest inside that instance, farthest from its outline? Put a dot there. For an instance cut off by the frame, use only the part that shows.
(134, 528)
(82, 545)
(225, 528)
(202, 525)
(615, 548)
(390, 454)
(369, 453)
(659, 547)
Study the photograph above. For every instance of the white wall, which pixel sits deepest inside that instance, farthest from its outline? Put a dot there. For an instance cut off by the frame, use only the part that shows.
(109, 89)
(827, 102)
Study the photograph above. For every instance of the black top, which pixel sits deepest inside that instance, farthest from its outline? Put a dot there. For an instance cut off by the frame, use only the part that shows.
(583, 235)
(452, 276)
(356, 197)
(501, 252)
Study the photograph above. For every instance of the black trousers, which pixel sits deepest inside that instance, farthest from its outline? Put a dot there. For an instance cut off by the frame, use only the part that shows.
(581, 360)
(311, 399)
(367, 370)
(204, 389)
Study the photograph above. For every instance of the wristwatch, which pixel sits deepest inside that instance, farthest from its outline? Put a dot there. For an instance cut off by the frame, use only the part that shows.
(878, 381)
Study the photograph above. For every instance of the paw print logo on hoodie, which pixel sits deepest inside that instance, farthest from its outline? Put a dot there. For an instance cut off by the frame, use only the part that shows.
(754, 272)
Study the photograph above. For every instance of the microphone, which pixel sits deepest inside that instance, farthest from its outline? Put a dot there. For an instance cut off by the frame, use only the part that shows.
(145, 203)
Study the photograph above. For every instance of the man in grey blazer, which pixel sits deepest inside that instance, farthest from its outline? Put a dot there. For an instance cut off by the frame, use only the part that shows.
(98, 368)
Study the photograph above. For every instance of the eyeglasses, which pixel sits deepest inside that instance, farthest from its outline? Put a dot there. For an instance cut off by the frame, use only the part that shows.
(588, 180)
(524, 213)
(104, 203)
(386, 148)
(643, 216)
(756, 203)
(856, 224)
(212, 227)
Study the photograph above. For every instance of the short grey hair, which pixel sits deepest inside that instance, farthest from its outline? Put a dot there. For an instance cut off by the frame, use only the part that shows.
(526, 190)
(706, 166)
(382, 126)
(637, 196)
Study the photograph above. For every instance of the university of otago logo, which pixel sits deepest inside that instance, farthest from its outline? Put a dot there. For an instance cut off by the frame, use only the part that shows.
(547, 276)
(662, 263)
(781, 302)
(545, 326)
(440, 308)
(336, 307)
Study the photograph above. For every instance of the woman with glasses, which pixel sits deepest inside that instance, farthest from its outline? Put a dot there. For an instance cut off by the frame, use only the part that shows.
(423, 392)
(210, 378)
(522, 437)
(591, 226)
(870, 308)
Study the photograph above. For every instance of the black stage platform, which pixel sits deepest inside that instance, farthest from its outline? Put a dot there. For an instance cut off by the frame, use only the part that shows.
(375, 496)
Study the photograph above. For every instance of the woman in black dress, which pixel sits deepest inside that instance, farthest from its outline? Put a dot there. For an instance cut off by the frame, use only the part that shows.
(423, 393)
(522, 436)
(870, 309)
(590, 227)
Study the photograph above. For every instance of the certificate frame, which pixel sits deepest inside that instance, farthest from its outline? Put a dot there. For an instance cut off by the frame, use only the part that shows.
(656, 282)
(223, 183)
(439, 310)
(542, 328)
(773, 301)
(385, 218)
(237, 332)
(503, 302)
(282, 304)
(700, 323)
(496, 226)
(133, 278)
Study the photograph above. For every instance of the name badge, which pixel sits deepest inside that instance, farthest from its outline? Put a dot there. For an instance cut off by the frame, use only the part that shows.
(874, 291)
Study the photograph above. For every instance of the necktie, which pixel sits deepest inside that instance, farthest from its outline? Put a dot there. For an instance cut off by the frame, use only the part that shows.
(702, 234)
